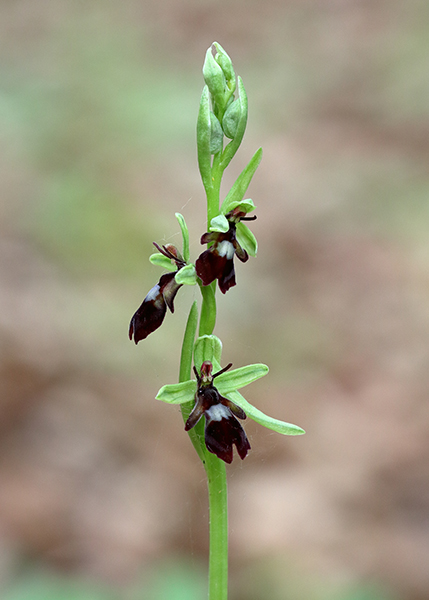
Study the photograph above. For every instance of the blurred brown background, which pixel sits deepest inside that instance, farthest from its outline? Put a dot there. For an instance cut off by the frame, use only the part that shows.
(101, 493)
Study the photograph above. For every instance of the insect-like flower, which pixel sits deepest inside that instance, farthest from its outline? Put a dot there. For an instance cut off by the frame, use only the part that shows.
(221, 404)
(222, 430)
(217, 261)
(150, 315)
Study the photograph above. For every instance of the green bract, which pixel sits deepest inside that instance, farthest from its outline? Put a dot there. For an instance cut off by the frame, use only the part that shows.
(209, 347)
(236, 193)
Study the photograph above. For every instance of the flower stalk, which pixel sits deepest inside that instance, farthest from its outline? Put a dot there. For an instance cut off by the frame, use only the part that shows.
(211, 405)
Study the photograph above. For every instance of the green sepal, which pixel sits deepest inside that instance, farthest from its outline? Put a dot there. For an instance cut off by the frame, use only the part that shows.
(224, 61)
(234, 144)
(246, 239)
(236, 193)
(177, 393)
(203, 139)
(231, 119)
(261, 418)
(238, 378)
(245, 205)
(219, 223)
(185, 236)
(186, 275)
(160, 260)
(207, 347)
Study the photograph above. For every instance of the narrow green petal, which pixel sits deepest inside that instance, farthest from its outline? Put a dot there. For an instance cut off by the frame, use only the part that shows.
(160, 260)
(177, 393)
(238, 378)
(185, 236)
(263, 419)
(207, 347)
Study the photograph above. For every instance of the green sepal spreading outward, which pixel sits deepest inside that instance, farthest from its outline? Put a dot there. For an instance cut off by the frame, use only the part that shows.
(159, 260)
(209, 347)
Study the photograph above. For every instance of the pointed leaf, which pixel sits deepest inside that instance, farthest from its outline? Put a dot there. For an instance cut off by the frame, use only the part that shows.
(238, 378)
(160, 260)
(185, 236)
(219, 223)
(246, 239)
(236, 193)
(207, 347)
(177, 393)
(186, 275)
(263, 419)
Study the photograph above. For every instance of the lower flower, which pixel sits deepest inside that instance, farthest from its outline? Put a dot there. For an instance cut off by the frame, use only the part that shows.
(222, 430)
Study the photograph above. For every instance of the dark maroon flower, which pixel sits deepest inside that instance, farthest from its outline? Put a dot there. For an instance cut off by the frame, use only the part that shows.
(222, 430)
(150, 315)
(217, 261)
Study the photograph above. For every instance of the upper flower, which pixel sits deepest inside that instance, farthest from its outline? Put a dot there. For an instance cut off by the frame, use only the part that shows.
(217, 261)
(221, 404)
(150, 315)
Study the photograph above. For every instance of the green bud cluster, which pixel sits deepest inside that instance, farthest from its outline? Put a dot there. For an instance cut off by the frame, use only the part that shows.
(222, 114)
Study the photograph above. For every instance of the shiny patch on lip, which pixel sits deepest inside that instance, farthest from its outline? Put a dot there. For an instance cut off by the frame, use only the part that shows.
(217, 412)
(226, 249)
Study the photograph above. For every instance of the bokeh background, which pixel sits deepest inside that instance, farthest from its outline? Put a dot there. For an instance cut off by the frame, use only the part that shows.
(101, 494)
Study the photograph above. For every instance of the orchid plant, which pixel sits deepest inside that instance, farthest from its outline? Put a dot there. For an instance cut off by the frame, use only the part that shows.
(213, 393)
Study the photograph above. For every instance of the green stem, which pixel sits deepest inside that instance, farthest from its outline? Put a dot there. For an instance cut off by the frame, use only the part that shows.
(214, 467)
(218, 505)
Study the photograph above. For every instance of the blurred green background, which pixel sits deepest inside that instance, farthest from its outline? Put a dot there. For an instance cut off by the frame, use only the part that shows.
(101, 493)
